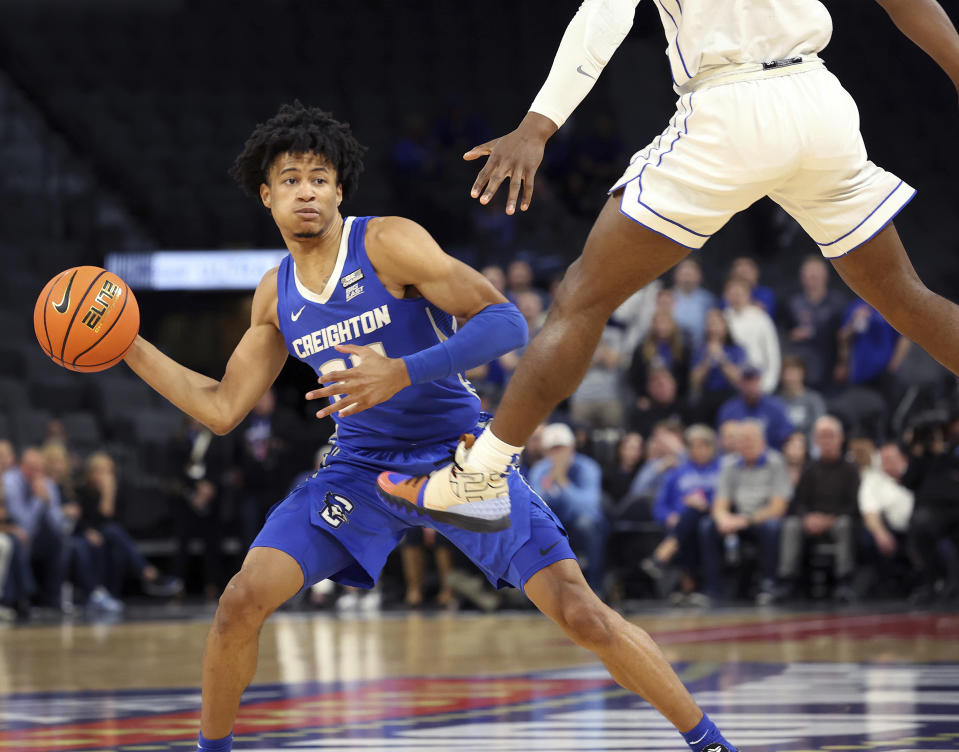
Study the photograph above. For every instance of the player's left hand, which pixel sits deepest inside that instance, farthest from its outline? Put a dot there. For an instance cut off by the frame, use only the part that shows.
(374, 380)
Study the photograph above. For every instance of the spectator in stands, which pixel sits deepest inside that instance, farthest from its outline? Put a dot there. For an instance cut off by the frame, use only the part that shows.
(717, 368)
(597, 401)
(933, 475)
(825, 505)
(885, 505)
(870, 350)
(812, 320)
(660, 402)
(17, 585)
(571, 484)
(683, 500)
(496, 276)
(803, 405)
(747, 270)
(413, 556)
(58, 465)
(627, 458)
(519, 279)
(8, 456)
(260, 462)
(752, 496)
(198, 462)
(664, 451)
(796, 454)
(663, 347)
(55, 432)
(753, 403)
(691, 300)
(729, 432)
(114, 550)
(753, 330)
(635, 316)
(34, 506)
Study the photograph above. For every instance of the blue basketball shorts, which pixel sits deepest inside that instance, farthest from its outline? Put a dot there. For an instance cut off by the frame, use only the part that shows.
(336, 527)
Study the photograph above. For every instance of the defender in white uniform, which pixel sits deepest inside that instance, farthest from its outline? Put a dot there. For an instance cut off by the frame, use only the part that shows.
(758, 114)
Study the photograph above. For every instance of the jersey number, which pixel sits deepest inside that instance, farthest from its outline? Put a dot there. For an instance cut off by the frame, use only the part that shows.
(339, 364)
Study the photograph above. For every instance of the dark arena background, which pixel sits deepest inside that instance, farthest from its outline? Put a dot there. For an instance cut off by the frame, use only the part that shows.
(119, 120)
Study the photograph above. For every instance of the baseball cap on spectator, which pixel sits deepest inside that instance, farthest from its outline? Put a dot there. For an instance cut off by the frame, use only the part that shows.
(558, 435)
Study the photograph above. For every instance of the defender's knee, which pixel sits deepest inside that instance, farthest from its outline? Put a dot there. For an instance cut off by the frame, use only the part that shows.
(242, 607)
(589, 622)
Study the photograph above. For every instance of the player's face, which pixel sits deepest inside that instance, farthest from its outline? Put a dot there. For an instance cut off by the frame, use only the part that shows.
(302, 194)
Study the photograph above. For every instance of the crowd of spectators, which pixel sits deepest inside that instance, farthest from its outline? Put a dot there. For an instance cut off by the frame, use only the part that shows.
(762, 443)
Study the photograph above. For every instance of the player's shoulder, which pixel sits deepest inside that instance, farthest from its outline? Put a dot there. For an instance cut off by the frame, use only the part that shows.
(265, 299)
(389, 231)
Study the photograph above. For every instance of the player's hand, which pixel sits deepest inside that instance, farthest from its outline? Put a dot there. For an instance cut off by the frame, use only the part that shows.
(516, 156)
(374, 380)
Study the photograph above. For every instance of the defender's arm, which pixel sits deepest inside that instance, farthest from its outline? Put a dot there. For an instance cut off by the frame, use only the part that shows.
(594, 34)
(928, 25)
(252, 368)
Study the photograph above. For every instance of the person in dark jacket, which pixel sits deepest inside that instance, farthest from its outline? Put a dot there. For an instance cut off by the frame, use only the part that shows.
(825, 505)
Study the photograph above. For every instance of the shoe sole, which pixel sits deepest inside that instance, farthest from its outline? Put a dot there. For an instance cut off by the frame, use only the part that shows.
(471, 524)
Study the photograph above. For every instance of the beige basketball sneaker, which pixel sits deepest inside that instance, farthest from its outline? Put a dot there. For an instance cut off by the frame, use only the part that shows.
(454, 494)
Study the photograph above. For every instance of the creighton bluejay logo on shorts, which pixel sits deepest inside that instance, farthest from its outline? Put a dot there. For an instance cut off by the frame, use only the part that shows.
(336, 509)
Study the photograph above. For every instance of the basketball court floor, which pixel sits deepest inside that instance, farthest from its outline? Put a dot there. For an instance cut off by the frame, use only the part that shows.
(774, 680)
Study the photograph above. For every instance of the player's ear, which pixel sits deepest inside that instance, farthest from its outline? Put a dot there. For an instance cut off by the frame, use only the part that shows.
(339, 194)
(265, 195)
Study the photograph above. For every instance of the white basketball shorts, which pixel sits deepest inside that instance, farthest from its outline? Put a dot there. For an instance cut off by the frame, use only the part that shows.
(794, 138)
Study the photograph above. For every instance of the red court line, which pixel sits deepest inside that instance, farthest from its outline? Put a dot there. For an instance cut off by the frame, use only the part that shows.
(378, 701)
(859, 626)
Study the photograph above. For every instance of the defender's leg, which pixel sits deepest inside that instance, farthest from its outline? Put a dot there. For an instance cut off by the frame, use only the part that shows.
(881, 273)
(620, 257)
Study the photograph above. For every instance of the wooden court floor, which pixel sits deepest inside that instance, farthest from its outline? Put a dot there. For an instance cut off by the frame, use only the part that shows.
(774, 680)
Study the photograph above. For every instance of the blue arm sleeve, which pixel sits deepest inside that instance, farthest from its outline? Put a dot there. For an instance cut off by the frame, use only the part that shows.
(494, 331)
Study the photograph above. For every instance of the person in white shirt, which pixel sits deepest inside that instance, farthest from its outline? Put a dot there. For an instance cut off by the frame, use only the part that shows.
(758, 114)
(754, 331)
(885, 505)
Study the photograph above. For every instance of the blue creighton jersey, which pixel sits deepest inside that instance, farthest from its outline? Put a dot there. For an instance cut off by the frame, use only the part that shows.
(356, 308)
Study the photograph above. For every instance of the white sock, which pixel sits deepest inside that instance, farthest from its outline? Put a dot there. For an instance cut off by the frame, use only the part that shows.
(491, 455)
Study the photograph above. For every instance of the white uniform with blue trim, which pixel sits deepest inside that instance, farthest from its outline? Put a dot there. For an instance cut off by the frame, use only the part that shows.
(758, 115)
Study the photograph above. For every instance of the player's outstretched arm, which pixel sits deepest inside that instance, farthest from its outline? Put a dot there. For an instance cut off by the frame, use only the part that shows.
(594, 34)
(928, 25)
(405, 256)
(252, 368)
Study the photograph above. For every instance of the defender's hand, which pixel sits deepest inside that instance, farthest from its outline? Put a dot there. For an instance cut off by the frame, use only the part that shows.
(373, 381)
(516, 156)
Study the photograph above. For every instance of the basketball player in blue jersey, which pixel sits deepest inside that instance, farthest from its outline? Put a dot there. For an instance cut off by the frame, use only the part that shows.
(758, 115)
(370, 304)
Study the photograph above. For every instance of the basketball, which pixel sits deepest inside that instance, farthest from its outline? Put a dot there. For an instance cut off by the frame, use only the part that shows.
(86, 318)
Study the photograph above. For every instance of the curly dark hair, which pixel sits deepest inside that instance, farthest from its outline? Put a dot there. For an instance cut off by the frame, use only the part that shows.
(299, 129)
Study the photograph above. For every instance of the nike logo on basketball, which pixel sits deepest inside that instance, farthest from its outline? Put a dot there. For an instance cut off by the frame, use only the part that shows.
(295, 316)
(62, 306)
(579, 69)
(544, 551)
